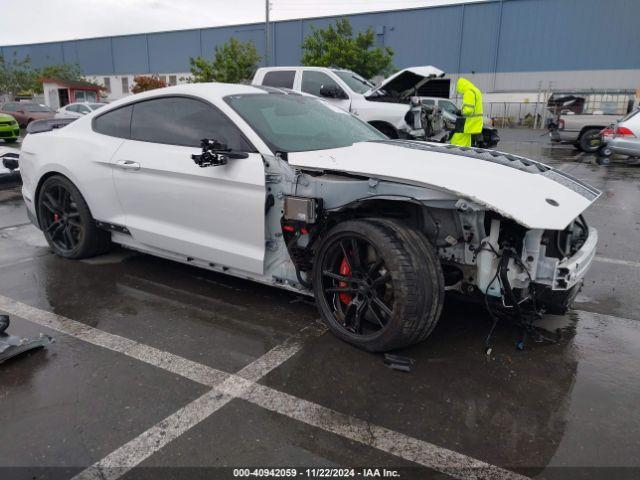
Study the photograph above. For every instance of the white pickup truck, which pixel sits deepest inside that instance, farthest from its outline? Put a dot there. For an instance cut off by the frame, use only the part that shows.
(391, 107)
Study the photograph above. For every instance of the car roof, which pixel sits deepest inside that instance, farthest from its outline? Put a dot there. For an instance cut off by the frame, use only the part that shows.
(212, 91)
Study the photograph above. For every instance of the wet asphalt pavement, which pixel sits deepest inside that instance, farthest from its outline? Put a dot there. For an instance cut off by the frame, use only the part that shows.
(565, 410)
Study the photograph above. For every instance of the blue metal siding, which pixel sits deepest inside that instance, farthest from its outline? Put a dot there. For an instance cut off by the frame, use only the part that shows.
(495, 35)
(479, 37)
(95, 56)
(569, 35)
(130, 54)
(425, 37)
(170, 51)
(285, 37)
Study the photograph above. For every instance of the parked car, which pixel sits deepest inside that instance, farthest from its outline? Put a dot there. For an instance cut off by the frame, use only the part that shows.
(582, 131)
(622, 138)
(9, 128)
(489, 137)
(289, 190)
(77, 110)
(26, 112)
(387, 107)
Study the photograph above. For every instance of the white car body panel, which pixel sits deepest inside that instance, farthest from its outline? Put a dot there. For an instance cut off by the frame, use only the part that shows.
(172, 204)
(513, 193)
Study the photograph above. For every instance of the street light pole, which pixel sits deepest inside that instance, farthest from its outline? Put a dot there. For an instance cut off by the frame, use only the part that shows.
(266, 33)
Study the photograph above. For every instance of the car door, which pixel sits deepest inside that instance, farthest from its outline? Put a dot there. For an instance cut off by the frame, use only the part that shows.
(313, 80)
(215, 214)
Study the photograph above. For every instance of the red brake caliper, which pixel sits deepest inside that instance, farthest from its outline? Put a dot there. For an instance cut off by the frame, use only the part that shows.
(56, 217)
(346, 271)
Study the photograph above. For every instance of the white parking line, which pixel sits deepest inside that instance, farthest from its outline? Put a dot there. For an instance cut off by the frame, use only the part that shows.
(615, 261)
(226, 387)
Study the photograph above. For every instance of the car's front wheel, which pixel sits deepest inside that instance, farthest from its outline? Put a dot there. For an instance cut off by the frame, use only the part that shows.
(378, 284)
(66, 221)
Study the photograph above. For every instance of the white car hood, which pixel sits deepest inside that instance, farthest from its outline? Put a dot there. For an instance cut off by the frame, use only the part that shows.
(407, 80)
(531, 193)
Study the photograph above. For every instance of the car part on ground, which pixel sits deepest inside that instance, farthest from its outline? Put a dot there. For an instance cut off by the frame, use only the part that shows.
(11, 346)
(313, 200)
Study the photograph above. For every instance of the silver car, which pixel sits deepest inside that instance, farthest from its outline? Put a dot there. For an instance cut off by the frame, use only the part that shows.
(622, 138)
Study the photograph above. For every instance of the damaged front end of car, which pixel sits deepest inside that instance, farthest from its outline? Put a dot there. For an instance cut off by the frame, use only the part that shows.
(519, 255)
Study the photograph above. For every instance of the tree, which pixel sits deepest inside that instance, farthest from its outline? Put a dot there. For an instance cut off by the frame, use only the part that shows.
(16, 76)
(234, 62)
(142, 83)
(336, 46)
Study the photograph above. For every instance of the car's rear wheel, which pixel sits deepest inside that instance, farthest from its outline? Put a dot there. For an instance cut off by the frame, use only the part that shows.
(590, 140)
(67, 222)
(378, 284)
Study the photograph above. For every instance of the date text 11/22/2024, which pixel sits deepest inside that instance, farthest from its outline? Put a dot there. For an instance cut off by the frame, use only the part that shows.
(313, 473)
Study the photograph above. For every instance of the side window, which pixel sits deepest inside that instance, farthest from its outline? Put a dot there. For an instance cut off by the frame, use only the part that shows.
(10, 107)
(428, 101)
(83, 109)
(312, 81)
(448, 106)
(279, 78)
(183, 121)
(116, 123)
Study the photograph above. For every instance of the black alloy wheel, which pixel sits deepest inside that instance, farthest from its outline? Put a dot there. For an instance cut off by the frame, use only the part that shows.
(378, 283)
(66, 221)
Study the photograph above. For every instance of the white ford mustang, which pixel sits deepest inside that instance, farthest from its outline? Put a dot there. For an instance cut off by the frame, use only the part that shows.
(285, 189)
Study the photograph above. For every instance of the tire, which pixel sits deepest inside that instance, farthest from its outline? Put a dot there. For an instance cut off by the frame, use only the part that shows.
(412, 289)
(66, 221)
(587, 142)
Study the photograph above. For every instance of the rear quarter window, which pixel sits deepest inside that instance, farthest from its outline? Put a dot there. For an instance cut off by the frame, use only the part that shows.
(279, 78)
(115, 123)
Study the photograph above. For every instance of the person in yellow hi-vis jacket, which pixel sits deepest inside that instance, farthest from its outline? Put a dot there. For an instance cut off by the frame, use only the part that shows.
(471, 121)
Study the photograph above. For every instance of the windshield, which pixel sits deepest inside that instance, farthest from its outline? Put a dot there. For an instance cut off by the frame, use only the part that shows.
(354, 81)
(32, 107)
(296, 123)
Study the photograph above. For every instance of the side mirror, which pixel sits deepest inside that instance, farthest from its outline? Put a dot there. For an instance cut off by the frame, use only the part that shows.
(215, 154)
(332, 91)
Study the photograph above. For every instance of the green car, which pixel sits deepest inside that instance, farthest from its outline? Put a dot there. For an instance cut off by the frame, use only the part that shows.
(9, 128)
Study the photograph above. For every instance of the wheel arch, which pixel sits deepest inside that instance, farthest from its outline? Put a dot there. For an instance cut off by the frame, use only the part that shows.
(385, 127)
(43, 178)
(589, 127)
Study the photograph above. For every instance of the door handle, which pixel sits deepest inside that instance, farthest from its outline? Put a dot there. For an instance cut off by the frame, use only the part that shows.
(128, 165)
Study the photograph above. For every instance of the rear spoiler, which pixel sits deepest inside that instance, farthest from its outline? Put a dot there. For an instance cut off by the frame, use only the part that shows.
(39, 126)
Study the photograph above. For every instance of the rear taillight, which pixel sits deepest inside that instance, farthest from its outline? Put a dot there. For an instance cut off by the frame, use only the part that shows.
(624, 132)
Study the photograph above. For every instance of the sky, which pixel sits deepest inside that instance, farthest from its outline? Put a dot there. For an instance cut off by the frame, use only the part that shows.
(52, 20)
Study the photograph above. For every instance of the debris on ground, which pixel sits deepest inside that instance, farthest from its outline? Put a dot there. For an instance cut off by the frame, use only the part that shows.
(10, 345)
(398, 362)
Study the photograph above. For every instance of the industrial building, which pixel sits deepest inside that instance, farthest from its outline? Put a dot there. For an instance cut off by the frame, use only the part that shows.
(521, 47)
